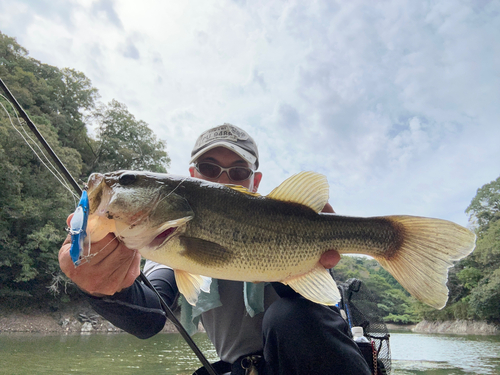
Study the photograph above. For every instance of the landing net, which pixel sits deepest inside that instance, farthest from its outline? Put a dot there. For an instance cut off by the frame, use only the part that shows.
(361, 310)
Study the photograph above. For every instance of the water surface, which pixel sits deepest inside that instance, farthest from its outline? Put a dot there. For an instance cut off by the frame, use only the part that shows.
(413, 354)
(437, 354)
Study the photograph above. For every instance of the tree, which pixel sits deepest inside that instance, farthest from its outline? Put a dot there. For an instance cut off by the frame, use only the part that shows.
(481, 274)
(33, 208)
(126, 143)
(485, 299)
(61, 96)
(388, 300)
(487, 252)
(485, 206)
(33, 204)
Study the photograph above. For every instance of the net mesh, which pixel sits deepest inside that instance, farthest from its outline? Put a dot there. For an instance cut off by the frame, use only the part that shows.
(361, 310)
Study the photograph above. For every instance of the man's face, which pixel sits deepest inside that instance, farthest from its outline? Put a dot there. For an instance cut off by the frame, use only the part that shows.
(227, 158)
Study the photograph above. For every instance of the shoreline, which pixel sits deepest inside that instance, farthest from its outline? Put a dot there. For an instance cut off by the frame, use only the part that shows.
(81, 319)
(457, 327)
(74, 319)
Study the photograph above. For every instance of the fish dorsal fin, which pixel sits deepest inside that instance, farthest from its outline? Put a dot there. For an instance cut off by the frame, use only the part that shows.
(243, 190)
(307, 188)
(317, 285)
(190, 285)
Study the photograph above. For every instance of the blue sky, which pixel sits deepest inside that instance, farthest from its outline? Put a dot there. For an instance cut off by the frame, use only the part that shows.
(396, 102)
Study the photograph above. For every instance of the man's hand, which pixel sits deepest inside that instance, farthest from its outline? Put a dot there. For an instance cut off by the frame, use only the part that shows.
(110, 268)
(331, 257)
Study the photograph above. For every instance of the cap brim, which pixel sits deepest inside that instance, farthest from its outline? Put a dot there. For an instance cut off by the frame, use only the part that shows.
(230, 146)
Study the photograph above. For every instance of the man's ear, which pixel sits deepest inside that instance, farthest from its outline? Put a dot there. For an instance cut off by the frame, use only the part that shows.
(257, 176)
(191, 171)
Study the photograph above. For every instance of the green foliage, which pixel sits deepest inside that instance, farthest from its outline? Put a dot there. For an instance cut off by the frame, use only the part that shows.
(391, 302)
(469, 277)
(30, 203)
(487, 252)
(126, 143)
(485, 207)
(59, 96)
(485, 298)
(33, 204)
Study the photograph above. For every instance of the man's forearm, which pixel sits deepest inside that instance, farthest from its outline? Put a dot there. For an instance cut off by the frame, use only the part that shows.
(137, 309)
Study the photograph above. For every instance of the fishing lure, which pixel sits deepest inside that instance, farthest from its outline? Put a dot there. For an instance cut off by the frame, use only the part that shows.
(78, 228)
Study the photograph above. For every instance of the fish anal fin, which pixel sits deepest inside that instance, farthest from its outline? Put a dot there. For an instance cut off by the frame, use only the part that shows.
(191, 285)
(428, 249)
(310, 189)
(317, 285)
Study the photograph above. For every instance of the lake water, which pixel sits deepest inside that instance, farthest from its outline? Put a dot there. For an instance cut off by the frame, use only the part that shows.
(168, 354)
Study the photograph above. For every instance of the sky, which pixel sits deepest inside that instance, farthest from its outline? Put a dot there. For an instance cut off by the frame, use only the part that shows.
(396, 102)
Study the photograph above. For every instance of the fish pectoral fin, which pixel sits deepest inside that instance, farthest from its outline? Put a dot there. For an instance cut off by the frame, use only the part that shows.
(205, 252)
(309, 189)
(317, 285)
(191, 285)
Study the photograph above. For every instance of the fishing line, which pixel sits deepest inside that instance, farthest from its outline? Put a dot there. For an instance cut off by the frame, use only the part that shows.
(60, 178)
(47, 163)
(169, 194)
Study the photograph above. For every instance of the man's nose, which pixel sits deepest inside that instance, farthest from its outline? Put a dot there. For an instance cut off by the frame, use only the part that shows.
(224, 178)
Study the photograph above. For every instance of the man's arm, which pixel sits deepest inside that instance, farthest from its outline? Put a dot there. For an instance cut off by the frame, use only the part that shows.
(137, 309)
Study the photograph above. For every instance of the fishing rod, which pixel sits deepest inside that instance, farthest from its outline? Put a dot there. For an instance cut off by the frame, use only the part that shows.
(168, 311)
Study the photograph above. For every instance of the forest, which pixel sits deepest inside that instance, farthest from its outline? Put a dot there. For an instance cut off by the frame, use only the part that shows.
(91, 136)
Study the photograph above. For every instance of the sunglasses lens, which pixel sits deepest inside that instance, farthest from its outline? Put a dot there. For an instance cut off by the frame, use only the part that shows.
(239, 174)
(209, 170)
(213, 171)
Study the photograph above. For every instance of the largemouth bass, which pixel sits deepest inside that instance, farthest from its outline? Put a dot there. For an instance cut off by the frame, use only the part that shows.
(202, 228)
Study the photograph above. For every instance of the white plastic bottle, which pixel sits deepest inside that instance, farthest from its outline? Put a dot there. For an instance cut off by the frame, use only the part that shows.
(357, 335)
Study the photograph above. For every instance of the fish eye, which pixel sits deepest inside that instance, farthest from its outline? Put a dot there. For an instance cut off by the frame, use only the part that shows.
(127, 179)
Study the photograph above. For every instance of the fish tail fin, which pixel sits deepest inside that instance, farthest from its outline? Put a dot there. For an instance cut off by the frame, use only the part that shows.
(428, 250)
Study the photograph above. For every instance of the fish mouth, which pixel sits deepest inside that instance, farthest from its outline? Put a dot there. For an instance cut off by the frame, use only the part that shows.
(168, 231)
(162, 238)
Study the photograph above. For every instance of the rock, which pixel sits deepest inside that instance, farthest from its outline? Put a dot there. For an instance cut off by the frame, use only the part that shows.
(87, 327)
(461, 327)
(64, 322)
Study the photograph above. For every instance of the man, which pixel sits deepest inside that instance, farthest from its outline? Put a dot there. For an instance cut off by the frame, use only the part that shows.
(269, 326)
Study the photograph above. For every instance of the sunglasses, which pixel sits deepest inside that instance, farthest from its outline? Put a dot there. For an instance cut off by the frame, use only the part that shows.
(213, 171)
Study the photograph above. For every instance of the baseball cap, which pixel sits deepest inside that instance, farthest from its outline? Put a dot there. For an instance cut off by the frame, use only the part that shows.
(230, 137)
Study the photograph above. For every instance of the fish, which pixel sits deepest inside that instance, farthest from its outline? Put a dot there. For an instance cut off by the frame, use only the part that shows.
(205, 230)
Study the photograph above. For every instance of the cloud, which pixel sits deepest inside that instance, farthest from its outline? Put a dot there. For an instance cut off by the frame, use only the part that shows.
(131, 51)
(105, 9)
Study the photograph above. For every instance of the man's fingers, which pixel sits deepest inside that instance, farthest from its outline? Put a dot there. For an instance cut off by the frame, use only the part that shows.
(126, 268)
(134, 270)
(110, 267)
(328, 208)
